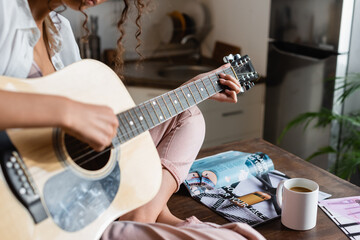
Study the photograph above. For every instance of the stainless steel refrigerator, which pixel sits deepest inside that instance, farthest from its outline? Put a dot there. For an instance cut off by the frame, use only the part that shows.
(309, 42)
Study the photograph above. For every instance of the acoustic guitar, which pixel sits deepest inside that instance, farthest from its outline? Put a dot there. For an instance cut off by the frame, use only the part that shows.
(53, 186)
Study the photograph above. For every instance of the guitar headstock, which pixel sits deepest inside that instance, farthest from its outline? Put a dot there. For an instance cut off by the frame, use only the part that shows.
(243, 69)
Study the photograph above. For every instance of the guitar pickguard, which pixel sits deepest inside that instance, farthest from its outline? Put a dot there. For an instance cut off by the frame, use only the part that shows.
(74, 202)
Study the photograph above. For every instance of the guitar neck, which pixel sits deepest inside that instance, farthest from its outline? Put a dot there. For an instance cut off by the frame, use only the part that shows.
(157, 110)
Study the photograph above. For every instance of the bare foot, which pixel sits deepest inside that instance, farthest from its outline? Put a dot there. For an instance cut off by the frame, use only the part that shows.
(140, 214)
(167, 217)
(150, 212)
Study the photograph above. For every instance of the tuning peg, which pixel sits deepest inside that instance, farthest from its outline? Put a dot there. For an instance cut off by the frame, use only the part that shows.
(237, 57)
(254, 75)
(229, 58)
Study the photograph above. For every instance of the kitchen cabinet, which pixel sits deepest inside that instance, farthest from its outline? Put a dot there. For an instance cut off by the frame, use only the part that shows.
(225, 122)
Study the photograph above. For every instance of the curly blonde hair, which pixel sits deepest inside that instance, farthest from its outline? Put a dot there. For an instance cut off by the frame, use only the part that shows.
(140, 6)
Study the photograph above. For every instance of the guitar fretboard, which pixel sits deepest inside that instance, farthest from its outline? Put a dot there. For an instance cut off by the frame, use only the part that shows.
(157, 110)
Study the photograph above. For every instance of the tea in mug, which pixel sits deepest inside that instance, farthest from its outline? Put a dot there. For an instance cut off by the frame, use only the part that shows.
(300, 189)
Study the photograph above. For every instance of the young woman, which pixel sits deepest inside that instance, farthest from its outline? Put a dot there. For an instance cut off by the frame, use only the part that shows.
(34, 42)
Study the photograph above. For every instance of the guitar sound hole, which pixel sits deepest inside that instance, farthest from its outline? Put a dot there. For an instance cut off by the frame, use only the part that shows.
(84, 156)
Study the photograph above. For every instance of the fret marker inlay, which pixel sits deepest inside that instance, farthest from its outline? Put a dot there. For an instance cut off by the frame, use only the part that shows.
(152, 112)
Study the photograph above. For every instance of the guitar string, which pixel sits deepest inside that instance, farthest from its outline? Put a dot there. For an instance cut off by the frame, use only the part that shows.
(180, 89)
(185, 87)
(90, 159)
(36, 173)
(161, 106)
(95, 156)
(136, 129)
(123, 136)
(135, 132)
(206, 85)
(118, 138)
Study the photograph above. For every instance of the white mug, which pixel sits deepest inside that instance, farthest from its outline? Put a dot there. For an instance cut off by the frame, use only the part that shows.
(298, 208)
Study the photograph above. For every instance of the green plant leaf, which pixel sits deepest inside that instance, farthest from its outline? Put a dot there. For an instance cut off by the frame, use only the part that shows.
(321, 151)
(348, 164)
(324, 117)
(351, 85)
(347, 151)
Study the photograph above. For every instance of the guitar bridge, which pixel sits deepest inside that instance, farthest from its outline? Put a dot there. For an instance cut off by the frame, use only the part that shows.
(18, 179)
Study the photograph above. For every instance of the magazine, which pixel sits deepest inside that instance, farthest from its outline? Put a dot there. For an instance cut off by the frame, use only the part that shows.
(345, 213)
(239, 186)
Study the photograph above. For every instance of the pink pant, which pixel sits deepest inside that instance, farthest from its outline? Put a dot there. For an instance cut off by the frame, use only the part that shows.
(178, 142)
(190, 229)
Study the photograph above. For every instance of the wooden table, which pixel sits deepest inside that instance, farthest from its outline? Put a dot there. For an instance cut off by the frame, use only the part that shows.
(182, 205)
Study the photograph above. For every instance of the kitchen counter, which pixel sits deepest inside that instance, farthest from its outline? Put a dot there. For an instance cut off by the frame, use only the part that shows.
(150, 73)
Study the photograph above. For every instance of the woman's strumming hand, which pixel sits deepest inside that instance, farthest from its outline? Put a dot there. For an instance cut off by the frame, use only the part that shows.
(93, 124)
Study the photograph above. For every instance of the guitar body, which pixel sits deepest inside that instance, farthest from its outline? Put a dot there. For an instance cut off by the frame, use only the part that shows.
(74, 203)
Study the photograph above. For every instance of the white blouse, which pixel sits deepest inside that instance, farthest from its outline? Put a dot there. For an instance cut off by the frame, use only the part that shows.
(19, 35)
